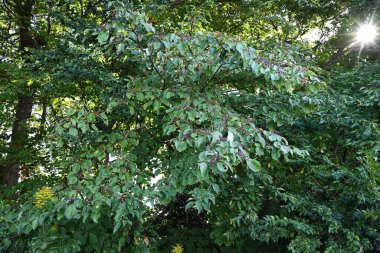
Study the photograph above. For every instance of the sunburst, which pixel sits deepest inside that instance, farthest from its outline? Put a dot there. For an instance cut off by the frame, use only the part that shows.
(366, 34)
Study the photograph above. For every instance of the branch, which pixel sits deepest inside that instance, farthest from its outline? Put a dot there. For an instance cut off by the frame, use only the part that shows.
(155, 68)
(81, 8)
(214, 75)
(6, 8)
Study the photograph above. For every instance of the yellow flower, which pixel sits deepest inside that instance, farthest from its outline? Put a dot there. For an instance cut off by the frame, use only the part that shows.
(54, 228)
(43, 196)
(177, 248)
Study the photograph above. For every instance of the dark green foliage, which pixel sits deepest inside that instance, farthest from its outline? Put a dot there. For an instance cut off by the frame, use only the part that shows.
(139, 126)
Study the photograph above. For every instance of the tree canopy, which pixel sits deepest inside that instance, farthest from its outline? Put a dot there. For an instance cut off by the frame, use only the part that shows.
(189, 126)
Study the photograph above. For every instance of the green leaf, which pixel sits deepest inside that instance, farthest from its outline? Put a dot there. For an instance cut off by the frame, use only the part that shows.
(255, 67)
(104, 117)
(274, 77)
(60, 143)
(131, 109)
(93, 238)
(72, 179)
(120, 48)
(180, 145)
(253, 165)
(157, 105)
(221, 167)
(103, 37)
(239, 48)
(140, 96)
(198, 205)
(181, 48)
(95, 215)
(199, 141)
(35, 223)
(216, 188)
(116, 227)
(156, 45)
(71, 212)
(170, 128)
(73, 131)
(307, 108)
(216, 136)
(275, 154)
(149, 28)
(189, 204)
(203, 168)
(83, 126)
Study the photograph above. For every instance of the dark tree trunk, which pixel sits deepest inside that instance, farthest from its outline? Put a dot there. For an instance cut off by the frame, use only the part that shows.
(18, 146)
(19, 140)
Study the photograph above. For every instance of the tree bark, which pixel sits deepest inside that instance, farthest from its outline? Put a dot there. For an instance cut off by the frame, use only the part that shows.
(19, 140)
(18, 146)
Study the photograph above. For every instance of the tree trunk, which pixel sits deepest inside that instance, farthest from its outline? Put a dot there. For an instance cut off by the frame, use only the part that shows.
(19, 140)
(18, 146)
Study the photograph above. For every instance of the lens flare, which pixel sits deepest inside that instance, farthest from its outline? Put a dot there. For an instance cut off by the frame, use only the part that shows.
(366, 34)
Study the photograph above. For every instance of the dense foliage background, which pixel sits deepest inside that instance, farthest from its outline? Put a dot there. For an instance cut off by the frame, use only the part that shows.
(188, 126)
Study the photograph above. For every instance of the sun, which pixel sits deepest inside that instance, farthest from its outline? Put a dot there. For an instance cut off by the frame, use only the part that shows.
(366, 33)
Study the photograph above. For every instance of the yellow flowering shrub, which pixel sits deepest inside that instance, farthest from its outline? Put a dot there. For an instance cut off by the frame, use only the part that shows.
(43, 196)
(177, 248)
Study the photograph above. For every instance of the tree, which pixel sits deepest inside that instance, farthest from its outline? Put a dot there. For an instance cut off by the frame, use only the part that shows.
(22, 13)
(29, 27)
(146, 119)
